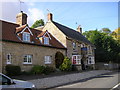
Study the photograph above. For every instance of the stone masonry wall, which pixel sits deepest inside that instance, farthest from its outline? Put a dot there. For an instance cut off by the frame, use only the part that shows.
(18, 51)
(55, 32)
(70, 50)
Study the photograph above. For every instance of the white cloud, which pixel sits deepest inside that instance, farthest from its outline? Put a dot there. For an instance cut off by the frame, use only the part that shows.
(9, 11)
(35, 14)
(31, 4)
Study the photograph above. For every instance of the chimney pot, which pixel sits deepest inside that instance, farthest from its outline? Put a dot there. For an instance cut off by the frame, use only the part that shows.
(79, 29)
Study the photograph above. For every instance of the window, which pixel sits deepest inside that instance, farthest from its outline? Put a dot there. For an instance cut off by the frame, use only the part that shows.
(47, 59)
(74, 45)
(26, 36)
(76, 59)
(9, 58)
(91, 60)
(46, 40)
(89, 50)
(27, 59)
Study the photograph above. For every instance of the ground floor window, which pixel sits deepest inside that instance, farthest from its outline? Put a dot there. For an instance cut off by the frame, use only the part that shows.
(27, 59)
(9, 58)
(47, 59)
(76, 59)
(91, 60)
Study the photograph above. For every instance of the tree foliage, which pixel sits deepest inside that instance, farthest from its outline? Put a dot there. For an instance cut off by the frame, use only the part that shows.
(66, 65)
(106, 30)
(107, 49)
(38, 23)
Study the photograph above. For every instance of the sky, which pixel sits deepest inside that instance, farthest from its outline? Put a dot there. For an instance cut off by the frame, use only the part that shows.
(90, 15)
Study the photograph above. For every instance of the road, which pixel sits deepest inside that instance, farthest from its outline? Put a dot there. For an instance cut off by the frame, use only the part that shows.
(103, 81)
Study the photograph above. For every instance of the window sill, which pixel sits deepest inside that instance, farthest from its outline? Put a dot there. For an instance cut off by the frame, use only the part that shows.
(27, 41)
(76, 64)
(47, 63)
(27, 63)
(8, 63)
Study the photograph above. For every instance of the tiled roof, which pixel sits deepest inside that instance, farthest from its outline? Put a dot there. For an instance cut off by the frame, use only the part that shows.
(10, 30)
(72, 33)
(18, 29)
(41, 34)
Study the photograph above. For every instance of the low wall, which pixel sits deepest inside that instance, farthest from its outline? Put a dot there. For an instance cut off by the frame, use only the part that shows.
(107, 66)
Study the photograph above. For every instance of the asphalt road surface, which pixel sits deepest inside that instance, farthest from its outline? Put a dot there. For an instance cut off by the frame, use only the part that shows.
(106, 81)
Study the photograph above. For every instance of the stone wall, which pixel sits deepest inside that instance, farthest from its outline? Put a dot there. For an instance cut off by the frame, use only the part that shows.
(55, 32)
(66, 41)
(107, 66)
(70, 50)
(18, 50)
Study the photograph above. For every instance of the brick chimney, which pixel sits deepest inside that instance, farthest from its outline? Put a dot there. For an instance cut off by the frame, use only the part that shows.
(50, 17)
(79, 29)
(21, 18)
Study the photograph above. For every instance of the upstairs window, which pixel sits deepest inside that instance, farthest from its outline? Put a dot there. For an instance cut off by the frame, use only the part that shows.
(89, 50)
(46, 40)
(9, 58)
(26, 37)
(74, 45)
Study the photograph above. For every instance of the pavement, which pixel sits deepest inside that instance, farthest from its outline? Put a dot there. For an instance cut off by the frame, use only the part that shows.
(51, 82)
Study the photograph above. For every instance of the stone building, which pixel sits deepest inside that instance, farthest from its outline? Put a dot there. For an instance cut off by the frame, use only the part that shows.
(24, 46)
(79, 49)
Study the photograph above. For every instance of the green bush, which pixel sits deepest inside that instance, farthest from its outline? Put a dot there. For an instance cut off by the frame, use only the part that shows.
(66, 65)
(37, 69)
(48, 70)
(13, 70)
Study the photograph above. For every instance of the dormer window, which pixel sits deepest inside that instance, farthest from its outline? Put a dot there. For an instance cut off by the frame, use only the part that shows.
(26, 36)
(46, 40)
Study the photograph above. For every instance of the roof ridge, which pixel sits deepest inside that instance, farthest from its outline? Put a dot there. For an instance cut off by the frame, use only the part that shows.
(69, 28)
(64, 26)
(9, 22)
(72, 33)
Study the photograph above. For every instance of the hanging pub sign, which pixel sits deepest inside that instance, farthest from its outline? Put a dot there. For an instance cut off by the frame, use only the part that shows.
(84, 48)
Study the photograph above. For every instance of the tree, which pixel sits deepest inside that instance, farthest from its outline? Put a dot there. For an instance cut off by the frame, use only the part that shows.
(116, 34)
(106, 30)
(66, 65)
(38, 23)
(107, 49)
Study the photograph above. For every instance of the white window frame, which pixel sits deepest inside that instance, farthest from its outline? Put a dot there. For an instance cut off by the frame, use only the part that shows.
(48, 60)
(74, 45)
(9, 59)
(28, 59)
(77, 59)
(89, 49)
(26, 36)
(46, 40)
(91, 60)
